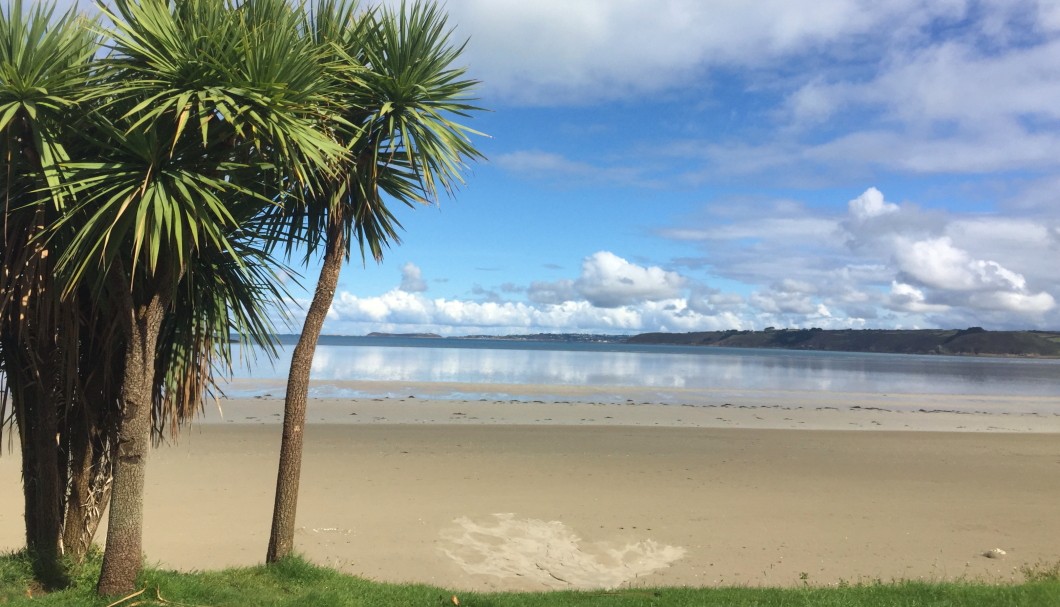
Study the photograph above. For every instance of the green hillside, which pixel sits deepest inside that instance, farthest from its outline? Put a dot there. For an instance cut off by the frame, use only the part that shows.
(974, 341)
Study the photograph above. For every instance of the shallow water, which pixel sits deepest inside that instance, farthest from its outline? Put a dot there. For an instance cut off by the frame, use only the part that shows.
(660, 368)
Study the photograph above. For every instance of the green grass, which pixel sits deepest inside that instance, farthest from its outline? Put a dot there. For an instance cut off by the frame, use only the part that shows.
(299, 583)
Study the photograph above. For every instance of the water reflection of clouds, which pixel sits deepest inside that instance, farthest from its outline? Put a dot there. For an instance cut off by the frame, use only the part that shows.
(753, 370)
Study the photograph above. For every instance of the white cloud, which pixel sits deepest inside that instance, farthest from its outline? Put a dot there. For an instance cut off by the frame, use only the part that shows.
(908, 298)
(608, 281)
(955, 81)
(938, 264)
(952, 277)
(397, 311)
(947, 81)
(1006, 146)
(870, 204)
(980, 94)
(412, 279)
(784, 303)
(1014, 301)
(1049, 15)
(552, 51)
(899, 265)
(612, 295)
(1023, 244)
(924, 269)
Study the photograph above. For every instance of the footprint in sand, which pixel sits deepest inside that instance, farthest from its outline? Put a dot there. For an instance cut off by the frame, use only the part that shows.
(549, 553)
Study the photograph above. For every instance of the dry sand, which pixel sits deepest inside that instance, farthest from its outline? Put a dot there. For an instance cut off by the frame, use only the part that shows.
(504, 496)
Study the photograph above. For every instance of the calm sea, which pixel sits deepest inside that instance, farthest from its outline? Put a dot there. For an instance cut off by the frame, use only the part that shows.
(658, 368)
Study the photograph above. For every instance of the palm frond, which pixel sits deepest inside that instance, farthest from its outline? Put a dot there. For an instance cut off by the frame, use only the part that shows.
(401, 104)
(218, 299)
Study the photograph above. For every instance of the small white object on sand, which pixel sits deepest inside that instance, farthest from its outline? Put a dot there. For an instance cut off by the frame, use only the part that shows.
(996, 553)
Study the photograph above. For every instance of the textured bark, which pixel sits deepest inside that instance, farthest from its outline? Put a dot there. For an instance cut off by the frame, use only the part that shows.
(281, 538)
(35, 412)
(32, 332)
(123, 555)
(91, 426)
(77, 505)
(44, 483)
(89, 487)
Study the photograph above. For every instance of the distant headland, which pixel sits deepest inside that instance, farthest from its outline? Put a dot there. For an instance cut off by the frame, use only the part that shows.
(423, 335)
(973, 341)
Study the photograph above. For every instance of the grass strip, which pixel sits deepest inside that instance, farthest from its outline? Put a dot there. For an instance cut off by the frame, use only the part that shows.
(296, 582)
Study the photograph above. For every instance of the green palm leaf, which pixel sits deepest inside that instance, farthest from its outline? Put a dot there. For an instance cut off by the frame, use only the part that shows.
(400, 105)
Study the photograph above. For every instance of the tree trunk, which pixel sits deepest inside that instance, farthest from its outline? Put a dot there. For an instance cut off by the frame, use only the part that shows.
(123, 555)
(89, 486)
(78, 501)
(35, 412)
(91, 428)
(49, 496)
(281, 539)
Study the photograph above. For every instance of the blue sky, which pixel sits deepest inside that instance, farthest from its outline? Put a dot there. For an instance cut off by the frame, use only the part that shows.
(685, 165)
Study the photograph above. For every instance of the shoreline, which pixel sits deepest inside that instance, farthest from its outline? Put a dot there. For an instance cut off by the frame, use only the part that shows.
(532, 404)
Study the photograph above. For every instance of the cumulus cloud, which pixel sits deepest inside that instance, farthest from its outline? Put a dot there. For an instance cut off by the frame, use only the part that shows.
(908, 298)
(934, 274)
(610, 295)
(608, 281)
(958, 279)
(922, 269)
(938, 264)
(399, 311)
(870, 204)
(412, 279)
(872, 224)
(879, 261)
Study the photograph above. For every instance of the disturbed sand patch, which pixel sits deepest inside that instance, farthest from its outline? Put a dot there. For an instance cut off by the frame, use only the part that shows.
(549, 553)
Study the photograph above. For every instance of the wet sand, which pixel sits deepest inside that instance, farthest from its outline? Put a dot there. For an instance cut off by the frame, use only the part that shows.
(494, 495)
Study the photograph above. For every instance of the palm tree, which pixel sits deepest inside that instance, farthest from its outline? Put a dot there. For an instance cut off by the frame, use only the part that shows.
(203, 113)
(61, 346)
(207, 113)
(44, 67)
(400, 96)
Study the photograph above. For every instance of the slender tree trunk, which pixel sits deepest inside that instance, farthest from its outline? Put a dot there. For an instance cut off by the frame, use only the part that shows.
(79, 500)
(123, 555)
(89, 486)
(281, 539)
(91, 429)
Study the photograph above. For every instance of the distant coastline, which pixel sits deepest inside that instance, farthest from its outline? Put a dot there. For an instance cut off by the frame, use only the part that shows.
(415, 335)
(973, 341)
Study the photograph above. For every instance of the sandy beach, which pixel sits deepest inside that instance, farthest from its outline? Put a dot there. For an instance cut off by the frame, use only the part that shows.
(497, 495)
